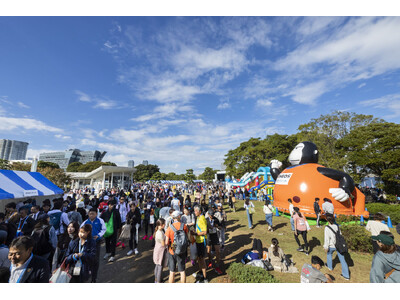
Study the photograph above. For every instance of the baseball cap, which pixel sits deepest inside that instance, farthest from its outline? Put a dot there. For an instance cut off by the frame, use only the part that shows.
(176, 214)
(81, 205)
(105, 198)
(384, 239)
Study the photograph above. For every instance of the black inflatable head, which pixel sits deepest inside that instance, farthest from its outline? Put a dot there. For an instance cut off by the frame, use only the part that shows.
(304, 152)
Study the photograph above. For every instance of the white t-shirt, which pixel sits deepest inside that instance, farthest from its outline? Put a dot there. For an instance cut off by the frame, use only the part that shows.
(160, 236)
(291, 210)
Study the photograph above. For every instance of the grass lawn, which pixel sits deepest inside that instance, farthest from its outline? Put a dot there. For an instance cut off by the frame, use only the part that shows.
(240, 237)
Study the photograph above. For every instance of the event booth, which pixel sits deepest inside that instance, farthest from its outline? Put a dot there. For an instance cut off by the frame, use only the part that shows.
(17, 186)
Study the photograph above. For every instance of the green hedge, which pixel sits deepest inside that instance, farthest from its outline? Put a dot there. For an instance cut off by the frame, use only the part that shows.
(391, 210)
(240, 273)
(357, 238)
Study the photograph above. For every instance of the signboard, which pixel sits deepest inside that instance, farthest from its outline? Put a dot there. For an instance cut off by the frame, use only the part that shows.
(31, 193)
(283, 178)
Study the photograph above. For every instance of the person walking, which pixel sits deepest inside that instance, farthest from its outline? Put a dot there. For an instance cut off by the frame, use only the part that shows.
(112, 219)
(329, 246)
(291, 211)
(98, 230)
(200, 233)
(176, 260)
(300, 228)
(133, 219)
(81, 254)
(268, 214)
(249, 207)
(159, 254)
(317, 211)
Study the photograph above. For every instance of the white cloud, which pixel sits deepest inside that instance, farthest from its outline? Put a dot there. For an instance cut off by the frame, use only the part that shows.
(264, 103)
(106, 104)
(25, 123)
(83, 96)
(388, 102)
(62, 137)
(168, 110)
(23, 105)
(361, 85)
(224, 104)
(360, 49)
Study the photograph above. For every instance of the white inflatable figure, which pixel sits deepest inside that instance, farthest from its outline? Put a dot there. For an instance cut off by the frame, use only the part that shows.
(307, 152)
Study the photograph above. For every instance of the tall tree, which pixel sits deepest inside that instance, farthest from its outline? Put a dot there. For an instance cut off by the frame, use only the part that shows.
(375, 148)
(46, 164)
(74, 167)
(4, 164)
(57, 176)
(327, 130)
(189, 176)
(19, 166)
(208, 175)
(144, 173)
(93, 165)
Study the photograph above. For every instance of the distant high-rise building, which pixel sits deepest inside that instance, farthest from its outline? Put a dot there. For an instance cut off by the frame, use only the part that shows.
(131, 163)
(13, 150)
(64, 158)
(145, 163)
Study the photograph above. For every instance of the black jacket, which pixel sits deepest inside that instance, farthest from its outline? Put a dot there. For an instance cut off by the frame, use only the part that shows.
(133, 218)
(106, 215)
(38, 271)
(11, 230)
(317, 209)
(27, 228)
(88, 257)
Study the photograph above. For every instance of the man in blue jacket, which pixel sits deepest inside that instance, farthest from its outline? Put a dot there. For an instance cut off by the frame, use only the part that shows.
(98, 230)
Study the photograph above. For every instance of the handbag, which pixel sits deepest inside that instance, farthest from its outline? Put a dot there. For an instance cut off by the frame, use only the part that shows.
(61, 275)
(251, 210)
(125, 232)
(109, 226)
(234, 199)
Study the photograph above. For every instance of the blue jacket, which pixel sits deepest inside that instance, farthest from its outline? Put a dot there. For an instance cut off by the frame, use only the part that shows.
(383, 263)
(88, 257)
(98, 227)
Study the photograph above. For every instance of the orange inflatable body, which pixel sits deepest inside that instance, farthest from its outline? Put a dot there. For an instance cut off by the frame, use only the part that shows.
(303, 183)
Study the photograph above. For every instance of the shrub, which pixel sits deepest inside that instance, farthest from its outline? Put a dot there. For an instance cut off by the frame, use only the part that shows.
(391, 210)
(240, 273)
(357, 238)
(346, 219)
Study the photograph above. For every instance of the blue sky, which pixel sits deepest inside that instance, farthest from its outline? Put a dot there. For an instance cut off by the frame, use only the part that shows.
(180, 92)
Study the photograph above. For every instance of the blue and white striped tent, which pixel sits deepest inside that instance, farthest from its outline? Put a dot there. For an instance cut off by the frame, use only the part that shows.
(20, 184)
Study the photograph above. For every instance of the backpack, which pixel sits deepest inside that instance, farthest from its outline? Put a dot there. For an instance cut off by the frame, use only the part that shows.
(42, 241)
(55, 220)
(180, 240)
(340, 244)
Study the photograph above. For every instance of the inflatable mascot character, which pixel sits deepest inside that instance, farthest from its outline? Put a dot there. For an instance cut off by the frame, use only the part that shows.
(306, 180)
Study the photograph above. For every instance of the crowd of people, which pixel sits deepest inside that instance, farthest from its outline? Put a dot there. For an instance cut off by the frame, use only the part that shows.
(184, 223)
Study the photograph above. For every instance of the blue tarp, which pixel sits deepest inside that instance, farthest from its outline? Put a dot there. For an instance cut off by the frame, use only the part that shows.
(19, 184)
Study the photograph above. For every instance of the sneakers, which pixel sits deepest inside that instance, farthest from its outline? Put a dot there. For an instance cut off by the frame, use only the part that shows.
(218, 270)
(123, 246)
(194, 274)
(144, 238)
(107, 255)
(118, 244)
(341, 275)
(111, 259)
(130, 252)
(300, 249)
(150, 238)
(306, 252)
(136, 251)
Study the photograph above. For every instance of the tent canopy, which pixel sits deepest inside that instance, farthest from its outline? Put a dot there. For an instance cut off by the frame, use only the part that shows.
(19, 184)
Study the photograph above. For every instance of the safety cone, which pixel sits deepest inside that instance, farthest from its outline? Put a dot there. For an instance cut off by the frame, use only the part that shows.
(362, 220)
(276, 212)
(389, 223)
